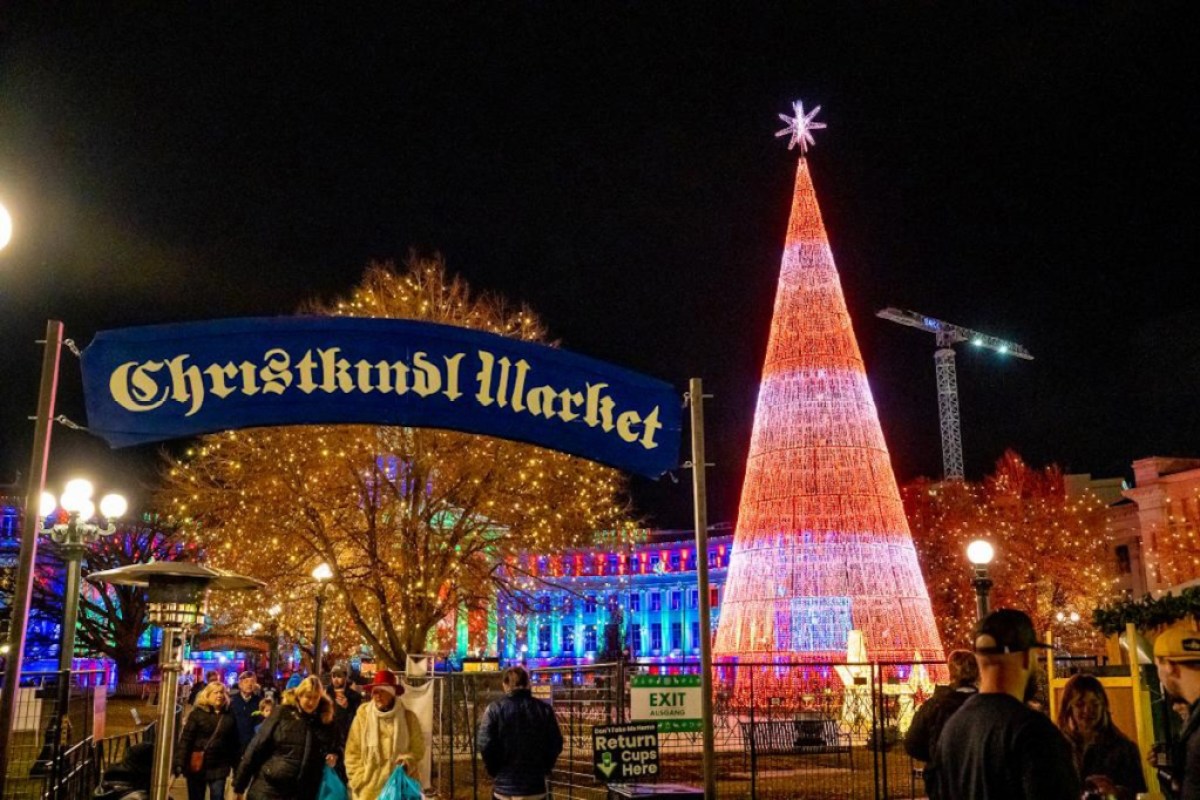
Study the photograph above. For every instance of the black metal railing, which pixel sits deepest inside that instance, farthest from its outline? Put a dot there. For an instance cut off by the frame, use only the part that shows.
(51, 754)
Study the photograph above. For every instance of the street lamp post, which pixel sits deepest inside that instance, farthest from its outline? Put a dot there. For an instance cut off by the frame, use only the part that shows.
(321, 574)
(177, 593)
(980, 553)
(273, 658)
(74, 536)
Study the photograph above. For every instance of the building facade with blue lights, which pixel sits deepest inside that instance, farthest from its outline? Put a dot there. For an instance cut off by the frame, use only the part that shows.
(638, 600)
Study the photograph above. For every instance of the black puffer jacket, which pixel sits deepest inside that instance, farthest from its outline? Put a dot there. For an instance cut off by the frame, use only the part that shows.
(214, 732)
(519, 740)
(286, 757)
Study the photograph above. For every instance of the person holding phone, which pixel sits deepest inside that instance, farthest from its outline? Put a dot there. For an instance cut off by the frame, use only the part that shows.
(345, 705)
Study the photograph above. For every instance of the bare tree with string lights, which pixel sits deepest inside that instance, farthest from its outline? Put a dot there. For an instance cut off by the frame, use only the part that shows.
(415, 524)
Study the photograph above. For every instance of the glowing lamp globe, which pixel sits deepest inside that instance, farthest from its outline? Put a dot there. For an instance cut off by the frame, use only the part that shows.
(322, 572)
(113, 506)
(6, 227)
(47, 504)
(980, 553)
(86, 509)
(79, 487)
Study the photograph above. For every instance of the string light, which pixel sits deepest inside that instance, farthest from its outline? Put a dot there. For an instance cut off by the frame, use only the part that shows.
(412, 521)
(1053, 552)
(822, 543)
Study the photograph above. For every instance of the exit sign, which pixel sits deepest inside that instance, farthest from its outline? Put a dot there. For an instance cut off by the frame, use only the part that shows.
(673, 701)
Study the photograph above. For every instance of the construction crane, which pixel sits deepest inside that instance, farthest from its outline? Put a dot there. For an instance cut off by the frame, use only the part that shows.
(947, 335)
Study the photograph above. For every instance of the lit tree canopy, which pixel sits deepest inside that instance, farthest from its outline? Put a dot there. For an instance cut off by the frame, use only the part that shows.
(415, 523)
(1052, 551)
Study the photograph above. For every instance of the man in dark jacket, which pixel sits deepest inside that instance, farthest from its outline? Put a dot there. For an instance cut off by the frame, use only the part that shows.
(921, 740)
(519, 740)
(244, 707)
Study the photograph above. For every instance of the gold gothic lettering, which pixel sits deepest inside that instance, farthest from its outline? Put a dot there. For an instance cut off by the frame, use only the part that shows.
(499, 382)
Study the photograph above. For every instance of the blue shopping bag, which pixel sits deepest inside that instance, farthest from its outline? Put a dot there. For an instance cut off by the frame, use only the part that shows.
(332, 787)
(401, 787)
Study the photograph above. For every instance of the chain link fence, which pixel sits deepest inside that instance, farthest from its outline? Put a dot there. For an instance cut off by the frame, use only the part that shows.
(51, 753)
(821, 731)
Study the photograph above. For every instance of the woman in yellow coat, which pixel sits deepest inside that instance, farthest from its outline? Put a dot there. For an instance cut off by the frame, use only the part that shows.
(384, 735)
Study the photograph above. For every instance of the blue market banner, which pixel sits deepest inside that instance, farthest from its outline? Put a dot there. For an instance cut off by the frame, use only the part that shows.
(161, 382)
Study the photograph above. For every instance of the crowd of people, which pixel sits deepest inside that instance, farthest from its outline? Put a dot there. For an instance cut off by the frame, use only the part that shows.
(982, 737)
(280, 751)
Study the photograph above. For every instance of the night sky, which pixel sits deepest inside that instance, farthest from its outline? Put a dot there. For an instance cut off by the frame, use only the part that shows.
(1030, 173)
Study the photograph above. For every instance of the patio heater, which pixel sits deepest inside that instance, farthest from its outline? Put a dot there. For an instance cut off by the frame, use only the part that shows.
(177, 594)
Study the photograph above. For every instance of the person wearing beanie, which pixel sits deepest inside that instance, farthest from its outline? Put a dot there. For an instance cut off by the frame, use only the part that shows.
(383, 736)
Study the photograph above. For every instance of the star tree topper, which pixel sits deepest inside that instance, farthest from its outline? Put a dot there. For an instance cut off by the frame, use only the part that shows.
(800, 127)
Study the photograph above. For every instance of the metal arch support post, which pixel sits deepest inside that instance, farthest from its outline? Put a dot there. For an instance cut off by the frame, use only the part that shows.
(947, 392)
(29, 533)
(700, 493)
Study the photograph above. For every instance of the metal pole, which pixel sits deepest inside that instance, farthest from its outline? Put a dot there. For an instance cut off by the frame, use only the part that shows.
(56, 740)
(319, 633)
(696, 397)
(23, 587)
(273, 652)
(164, 736)
(73, 553)
(983, 585)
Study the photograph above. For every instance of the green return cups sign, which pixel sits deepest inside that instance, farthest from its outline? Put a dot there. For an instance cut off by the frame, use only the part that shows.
(625, 752)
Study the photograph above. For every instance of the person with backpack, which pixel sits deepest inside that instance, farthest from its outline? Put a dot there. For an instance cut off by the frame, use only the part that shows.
(921, 740)
(519, 740)
(288, 755)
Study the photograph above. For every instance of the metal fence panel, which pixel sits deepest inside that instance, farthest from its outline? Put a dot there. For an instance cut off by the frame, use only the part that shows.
(51, 753)
(821, 731)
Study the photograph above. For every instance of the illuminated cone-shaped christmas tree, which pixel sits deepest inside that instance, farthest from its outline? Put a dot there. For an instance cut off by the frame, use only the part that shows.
(822, 544)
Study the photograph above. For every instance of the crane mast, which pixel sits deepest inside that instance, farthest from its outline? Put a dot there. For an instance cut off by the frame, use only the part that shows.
(946, 335)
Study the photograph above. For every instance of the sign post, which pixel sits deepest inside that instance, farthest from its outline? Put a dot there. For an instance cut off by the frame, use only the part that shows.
(622, 753)
(30, 526)
(700, 492)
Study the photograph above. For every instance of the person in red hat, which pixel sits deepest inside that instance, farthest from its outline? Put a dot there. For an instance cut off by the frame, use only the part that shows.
(383, 736)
